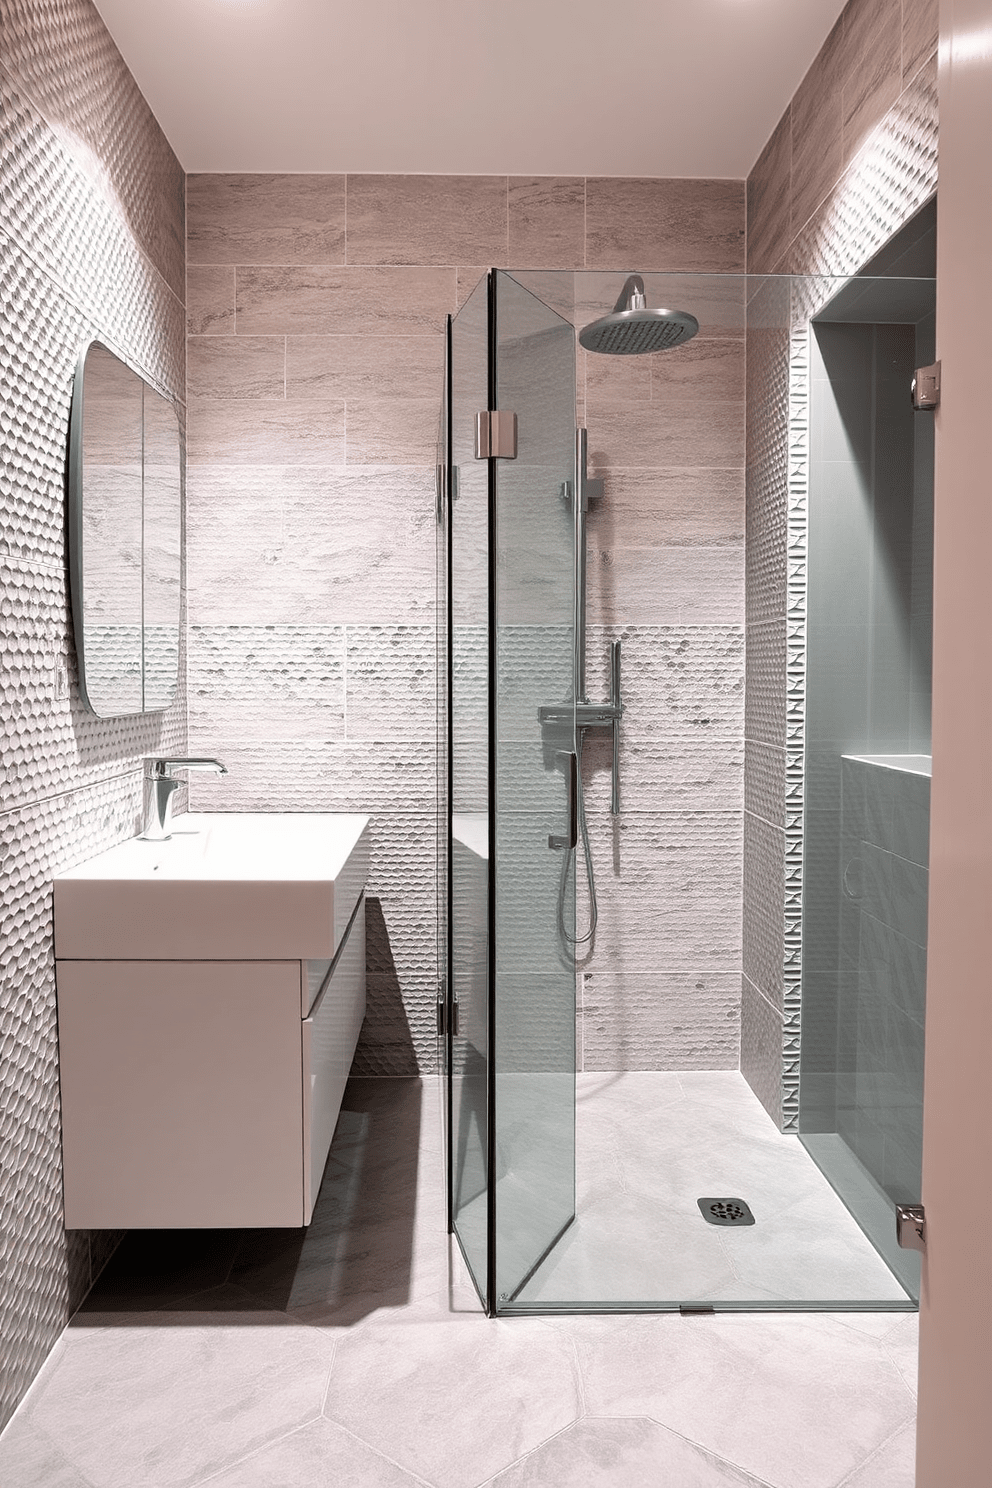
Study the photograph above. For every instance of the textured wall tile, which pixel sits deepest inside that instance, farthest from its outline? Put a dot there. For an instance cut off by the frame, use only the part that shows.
(210, 300)
(357, 367)
(349, 301)
(689, 433)
(681, 1021)
(265, 219)
(764, 899)
(681, 684)
(369, 542)
(68, 64)
(426, 219)
(765, 704)
(265, 431)
(236, 366)
(661, 773)
(266, 682)
(817, 129)
(768, 200)
(919, 34)
(666, 586)
(547, 222)
(665, 224)
(315, 775)
(391, 682)
(764, 781)
(872, 67)
(761, 1050)
(668, 508)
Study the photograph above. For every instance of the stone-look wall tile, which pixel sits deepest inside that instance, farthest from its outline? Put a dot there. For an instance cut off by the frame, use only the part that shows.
(265, 219)
(426, 219)
(468, 280)
(397, 431)
(764, 894)
(689, 432)
(641, 224)
(265, 431)
(872, 67)
(680, 1021)
(817, 130)
(659, 773)
(768, 200)
(66, 61)
(92, 244)
(356, 367)
(210, 300)
(236, 366)
(764, 781)
(666, 586)
(546, 222)
(676, 507)
(367, 532)
(391, 682)
(328, 301)
(670, 899)
(919, 34)
(765, 698)
(268, 682)
(761, 1049)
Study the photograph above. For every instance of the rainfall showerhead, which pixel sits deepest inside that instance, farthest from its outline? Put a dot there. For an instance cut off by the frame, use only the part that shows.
(632, 329)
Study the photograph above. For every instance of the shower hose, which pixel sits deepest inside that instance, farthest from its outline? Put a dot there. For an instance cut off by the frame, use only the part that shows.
(566, 935)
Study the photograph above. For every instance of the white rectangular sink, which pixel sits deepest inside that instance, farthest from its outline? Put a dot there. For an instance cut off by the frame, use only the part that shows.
(225, 886)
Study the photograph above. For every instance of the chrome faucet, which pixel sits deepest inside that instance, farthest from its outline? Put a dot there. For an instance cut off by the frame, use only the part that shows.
(161, 785)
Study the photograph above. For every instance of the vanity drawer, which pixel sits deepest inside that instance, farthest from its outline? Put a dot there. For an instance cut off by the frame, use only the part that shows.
(330, 1035)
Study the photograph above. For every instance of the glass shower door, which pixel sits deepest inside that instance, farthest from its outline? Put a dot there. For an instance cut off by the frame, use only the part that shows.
(512, 893)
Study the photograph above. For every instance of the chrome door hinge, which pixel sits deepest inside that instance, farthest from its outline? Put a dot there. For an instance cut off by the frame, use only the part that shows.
(447, 1019)
(911, 1226)
(440, 492)
(926, 387)
(495, 435)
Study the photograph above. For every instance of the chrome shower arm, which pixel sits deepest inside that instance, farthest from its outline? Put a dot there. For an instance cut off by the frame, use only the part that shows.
(631, 296)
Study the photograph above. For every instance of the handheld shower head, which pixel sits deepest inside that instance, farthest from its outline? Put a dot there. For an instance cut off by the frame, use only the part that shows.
(632, 329)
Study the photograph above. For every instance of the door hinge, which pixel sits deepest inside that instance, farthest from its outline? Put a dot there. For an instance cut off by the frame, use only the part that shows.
(911, 1226)
(926, 387)
(447, 1019)
(495, 435)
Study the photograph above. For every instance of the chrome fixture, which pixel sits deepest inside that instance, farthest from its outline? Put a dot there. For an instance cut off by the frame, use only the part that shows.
(911, 1227)
(926, 387)
(632, 329)
(160, 787)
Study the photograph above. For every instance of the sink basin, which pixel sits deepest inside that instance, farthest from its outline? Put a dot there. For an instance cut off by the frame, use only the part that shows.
(225, 886)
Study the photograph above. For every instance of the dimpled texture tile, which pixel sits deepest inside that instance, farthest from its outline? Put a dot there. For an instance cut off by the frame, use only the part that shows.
(265, 682)
(68, 63)
(36, 1286)
(681, 1021)
(66, 223)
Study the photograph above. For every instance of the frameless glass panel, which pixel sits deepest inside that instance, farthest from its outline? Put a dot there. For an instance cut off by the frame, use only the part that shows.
(469, 703)
(534, 577)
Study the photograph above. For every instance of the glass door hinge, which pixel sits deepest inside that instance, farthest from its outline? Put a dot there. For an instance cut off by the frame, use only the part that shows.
(495, 435)
(911, 1226)
(447, 1019)
(926, 387)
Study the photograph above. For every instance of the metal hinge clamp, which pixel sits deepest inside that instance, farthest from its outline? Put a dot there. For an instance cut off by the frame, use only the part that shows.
(926, 387)
(496, 435)
(911, 1226)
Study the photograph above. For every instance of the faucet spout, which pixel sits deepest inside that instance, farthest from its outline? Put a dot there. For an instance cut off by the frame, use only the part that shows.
(161, 785)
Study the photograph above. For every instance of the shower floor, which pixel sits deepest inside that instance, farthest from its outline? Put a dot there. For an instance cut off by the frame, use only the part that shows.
(647, 1147)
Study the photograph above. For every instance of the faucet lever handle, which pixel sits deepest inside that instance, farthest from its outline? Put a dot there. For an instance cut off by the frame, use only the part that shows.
(161, 767)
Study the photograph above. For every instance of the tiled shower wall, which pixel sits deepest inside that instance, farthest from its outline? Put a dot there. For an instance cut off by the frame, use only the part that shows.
(316, 309)
(91, 244)
(852, 158)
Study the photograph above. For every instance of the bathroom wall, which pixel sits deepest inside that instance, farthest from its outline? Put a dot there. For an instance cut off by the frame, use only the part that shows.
(91, 243)
(851, 160)
(316, 309)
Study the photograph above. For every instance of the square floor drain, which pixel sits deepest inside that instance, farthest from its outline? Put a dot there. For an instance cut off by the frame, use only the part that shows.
(725, 1211)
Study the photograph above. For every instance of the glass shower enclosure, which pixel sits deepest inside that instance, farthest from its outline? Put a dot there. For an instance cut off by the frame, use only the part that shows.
(605, 1150)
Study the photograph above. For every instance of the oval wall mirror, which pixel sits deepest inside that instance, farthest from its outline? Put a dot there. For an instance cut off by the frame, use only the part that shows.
(125, 523)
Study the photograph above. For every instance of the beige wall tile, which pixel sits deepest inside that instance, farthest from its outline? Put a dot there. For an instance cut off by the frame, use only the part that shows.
(668, 508)
(691, 433)
(768, 200)
(344, 301)
(468, 279)
(615, 381)
(919, 35)
(817, 130)
(210, 300)
(360, 366)
(265, 219)
(642, 224)
(546, 222)
(426, 219)
(265, 432)
(872, 64)
(667, 586)
(392, 431)
(706, 368)
(236, 367)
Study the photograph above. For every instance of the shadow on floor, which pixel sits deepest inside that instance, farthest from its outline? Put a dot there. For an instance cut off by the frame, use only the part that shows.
(354, 1257)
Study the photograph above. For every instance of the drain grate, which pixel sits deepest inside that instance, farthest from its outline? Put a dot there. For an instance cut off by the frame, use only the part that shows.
(725, 1211)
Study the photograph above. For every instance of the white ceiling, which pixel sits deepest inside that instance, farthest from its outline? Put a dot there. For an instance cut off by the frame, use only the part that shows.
(518, 87)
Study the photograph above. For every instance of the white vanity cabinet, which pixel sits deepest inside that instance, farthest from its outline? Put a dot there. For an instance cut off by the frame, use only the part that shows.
(203, 1091)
